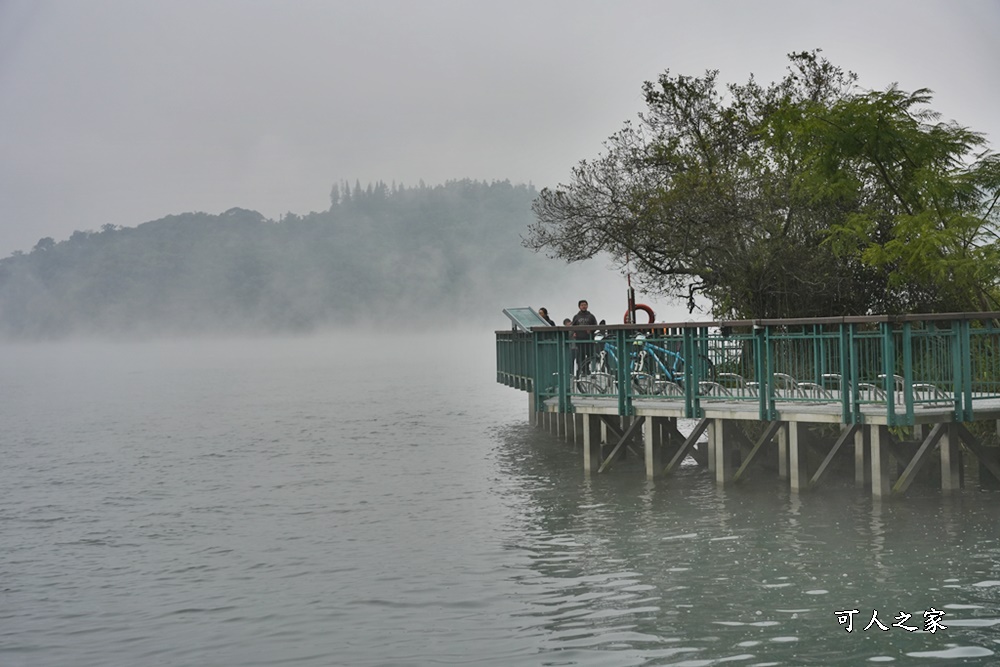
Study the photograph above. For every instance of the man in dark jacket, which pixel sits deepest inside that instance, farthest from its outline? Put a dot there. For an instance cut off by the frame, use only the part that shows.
(584, 318)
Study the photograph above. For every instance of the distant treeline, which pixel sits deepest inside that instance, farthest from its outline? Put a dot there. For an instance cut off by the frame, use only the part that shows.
(381, 254)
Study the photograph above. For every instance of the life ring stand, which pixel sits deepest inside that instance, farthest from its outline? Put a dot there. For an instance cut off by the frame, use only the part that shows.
(646, 309)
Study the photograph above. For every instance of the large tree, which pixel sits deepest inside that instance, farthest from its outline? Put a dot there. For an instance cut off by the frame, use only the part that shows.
(805, 197)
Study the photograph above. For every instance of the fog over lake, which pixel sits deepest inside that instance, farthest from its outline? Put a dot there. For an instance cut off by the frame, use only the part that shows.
(252, 258)
(374, 498)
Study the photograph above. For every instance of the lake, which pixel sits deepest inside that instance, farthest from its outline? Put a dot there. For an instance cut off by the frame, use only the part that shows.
(369, 499)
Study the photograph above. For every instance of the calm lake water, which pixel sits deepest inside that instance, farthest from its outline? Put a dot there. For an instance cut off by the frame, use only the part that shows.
(366, 500)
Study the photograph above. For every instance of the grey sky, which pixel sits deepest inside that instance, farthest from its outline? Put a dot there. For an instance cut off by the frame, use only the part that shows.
(123, 111)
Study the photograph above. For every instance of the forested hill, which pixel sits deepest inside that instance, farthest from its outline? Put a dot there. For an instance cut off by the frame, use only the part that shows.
(391, 255)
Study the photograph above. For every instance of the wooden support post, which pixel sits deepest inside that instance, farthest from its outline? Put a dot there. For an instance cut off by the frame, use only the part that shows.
(862, 456)
(669, 431)
(577, 429)
(625, 423)
(783, 452)
(985, 455)
(724, 446)
(532, 413)
(846, 434)
(692, 439)
(768, 435)
(919, 458)
(951, 461)
(714, 433)
(558, 424)
(798, 473)
(653, 446)
(591, 443)
(622, 437)
(882, 463)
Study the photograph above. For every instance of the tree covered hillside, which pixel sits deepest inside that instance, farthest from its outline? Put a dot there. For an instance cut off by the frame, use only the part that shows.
(383, 254)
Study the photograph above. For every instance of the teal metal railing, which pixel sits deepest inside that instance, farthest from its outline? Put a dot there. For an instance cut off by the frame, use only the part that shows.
(860, 366)
(516, 359)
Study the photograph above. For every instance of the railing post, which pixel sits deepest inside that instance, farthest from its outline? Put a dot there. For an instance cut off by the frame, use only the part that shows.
(537, 381)
(819, 361)
(562, 353)
(499, 359)
(845, 379)
(531, 367)
(852, 380)
(956, 371)
(767, 382)
(888, 356)
(908, 370)
(624, 373)
(691, 410)
(966, 372)
(760, 370)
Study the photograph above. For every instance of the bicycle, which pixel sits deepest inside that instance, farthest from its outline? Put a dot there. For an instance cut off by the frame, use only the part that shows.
(660, 371)
(597, 374)
(654, 370)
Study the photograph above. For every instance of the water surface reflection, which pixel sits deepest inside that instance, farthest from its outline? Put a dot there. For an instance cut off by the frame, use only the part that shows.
(682, 572)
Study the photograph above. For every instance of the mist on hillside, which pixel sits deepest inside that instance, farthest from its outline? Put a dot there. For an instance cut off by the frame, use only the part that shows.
(381, 257)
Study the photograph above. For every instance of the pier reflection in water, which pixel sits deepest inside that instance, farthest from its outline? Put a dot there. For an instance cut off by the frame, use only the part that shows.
(683, 572)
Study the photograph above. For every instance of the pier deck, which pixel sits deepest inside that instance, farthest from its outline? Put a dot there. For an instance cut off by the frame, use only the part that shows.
(902, 389)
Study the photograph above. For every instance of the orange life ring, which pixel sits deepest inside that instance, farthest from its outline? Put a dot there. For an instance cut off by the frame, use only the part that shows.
(643, 307)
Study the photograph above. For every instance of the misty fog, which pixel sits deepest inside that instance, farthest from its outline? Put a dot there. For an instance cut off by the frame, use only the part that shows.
(396, 258)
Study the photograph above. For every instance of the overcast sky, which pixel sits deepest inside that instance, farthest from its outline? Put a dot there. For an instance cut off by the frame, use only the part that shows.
(123, 111)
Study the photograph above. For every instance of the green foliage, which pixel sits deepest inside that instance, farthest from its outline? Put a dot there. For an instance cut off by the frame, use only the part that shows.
(920, 197)
(399, 257)
(806, 197)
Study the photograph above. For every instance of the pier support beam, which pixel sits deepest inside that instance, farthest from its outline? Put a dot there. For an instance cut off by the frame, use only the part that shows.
(688, 446)
(951, 461)
(922, 455)
(591, 443)
(713, 432)
(783, 453)
(630, 428)
(773, 429)
(798, 472)
(569, 426)
(987, 456)
(882, 461)
(725, 446)
(848, 432)
(862, 456)
(653, 444)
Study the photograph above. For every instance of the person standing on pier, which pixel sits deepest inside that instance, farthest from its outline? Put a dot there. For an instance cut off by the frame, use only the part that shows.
(583, 318)
(544, 313)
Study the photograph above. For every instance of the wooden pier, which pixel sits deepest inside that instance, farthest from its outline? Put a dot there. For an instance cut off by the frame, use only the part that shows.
(878, 398)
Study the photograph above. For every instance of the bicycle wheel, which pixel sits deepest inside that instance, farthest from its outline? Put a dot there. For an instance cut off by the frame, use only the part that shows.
(595, 377)
(643, 375)
(707, 368)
